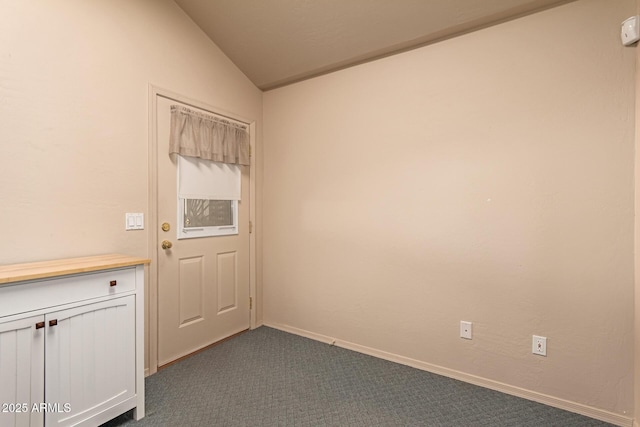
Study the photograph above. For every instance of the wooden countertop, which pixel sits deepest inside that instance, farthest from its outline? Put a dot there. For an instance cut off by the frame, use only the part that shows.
(62, 267)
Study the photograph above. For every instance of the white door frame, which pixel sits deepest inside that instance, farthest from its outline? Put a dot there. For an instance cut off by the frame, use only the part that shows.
(151, 304)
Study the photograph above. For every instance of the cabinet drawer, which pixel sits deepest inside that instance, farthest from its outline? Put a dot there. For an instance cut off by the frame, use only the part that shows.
(32, 295)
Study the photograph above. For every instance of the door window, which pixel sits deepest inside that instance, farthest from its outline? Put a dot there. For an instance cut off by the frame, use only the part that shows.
(208, 195)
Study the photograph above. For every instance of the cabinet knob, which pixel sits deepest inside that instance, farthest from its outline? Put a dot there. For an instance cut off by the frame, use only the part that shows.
(113, 283)
(53, 322)
(39, 325)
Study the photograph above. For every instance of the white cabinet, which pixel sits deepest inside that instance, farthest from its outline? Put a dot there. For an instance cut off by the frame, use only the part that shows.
(71, 344)
(90, 359)
(21, 371)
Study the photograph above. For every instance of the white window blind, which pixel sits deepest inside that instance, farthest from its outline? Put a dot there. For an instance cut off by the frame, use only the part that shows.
(208, 180)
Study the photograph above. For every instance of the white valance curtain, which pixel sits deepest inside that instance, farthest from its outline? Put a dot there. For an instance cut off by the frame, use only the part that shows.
(195, 134)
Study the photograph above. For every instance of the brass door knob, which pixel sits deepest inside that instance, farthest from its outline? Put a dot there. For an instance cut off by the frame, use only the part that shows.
(166, 244)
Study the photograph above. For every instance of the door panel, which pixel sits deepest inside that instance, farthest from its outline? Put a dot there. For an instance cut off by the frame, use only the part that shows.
(227, 282)
(191, 284)
(203, 283)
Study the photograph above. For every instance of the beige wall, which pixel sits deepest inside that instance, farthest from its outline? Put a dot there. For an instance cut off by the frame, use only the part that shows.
(74, 83)
(74, 79)
(487, 178)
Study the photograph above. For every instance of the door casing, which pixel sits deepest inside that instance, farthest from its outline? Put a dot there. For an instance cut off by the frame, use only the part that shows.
(151, 304)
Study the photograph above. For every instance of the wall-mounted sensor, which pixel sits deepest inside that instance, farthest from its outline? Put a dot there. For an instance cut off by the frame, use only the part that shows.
(630, 33)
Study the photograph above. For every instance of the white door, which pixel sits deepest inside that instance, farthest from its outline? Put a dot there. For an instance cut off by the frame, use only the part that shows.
(203, 282)
(21, 371)
(90, 360)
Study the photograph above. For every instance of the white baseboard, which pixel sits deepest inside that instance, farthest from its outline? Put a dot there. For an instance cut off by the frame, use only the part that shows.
(567, 405)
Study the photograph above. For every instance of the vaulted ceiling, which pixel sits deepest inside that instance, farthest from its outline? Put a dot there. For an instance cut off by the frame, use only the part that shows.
(278, 42)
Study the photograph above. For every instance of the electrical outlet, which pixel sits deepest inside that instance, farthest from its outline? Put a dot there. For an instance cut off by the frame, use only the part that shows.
(466, 330)
(539, 345)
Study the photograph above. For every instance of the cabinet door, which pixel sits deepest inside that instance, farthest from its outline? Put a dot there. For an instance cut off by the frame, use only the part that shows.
(21, 371)
(90, 360)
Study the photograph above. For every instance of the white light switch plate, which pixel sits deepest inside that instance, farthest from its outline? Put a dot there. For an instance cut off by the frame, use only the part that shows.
(134, 221)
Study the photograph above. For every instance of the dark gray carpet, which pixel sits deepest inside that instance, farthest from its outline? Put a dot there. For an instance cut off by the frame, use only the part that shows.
(266, 377)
